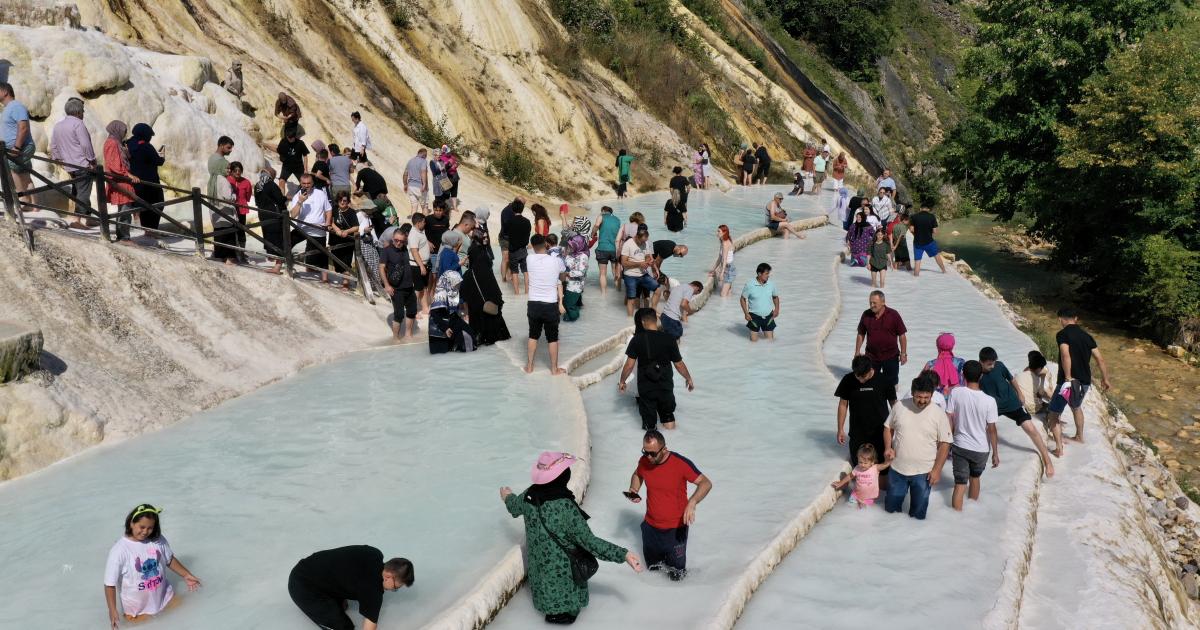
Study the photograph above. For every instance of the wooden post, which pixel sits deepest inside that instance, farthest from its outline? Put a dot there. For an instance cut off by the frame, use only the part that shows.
(198, 222)
(101, 202)
(288, 259)
(6, 180)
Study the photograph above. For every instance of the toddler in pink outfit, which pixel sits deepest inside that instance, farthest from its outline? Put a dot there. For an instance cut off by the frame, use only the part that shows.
(865, 477)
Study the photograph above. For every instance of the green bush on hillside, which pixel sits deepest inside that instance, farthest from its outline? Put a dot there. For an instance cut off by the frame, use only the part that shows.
(851, 35)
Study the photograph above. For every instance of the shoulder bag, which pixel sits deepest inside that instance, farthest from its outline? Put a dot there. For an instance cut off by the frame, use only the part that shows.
(583, 564)
(489, 307)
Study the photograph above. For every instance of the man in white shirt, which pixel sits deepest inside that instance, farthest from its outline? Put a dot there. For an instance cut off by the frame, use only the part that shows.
(362, 137)
(916, 440)
(636, 260)
(311, 208)
(545, 306)
(882, 203)
(974, 415)
(886, 182)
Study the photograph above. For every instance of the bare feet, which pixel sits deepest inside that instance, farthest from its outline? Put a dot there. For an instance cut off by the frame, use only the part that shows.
(1058, 452)
(529, 369)
(1078, 439)
(1049, 469)
(556, 371)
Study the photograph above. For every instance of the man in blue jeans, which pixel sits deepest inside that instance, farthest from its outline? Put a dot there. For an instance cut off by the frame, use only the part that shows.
(636, 261)
(916, 440)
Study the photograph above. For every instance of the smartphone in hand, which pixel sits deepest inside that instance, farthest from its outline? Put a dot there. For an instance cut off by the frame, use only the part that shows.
(631, 495)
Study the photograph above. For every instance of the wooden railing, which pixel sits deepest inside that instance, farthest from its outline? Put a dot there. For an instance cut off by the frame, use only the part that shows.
(15, 203)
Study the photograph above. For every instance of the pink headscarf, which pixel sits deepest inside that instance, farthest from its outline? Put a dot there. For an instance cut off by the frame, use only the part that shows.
(944, 364)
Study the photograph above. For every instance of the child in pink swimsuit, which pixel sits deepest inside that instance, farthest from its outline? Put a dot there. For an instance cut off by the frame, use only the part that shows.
(865, 477)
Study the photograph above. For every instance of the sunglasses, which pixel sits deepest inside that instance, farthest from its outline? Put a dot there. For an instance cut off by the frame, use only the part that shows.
(652, 454)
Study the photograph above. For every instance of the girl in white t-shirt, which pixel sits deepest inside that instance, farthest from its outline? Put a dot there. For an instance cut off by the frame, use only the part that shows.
(137, 566)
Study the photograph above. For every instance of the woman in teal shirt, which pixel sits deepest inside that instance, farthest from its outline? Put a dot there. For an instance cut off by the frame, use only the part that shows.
(624, 165)
(605, 236)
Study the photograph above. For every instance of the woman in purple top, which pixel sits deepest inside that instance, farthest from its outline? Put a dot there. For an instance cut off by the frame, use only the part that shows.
(859, 238)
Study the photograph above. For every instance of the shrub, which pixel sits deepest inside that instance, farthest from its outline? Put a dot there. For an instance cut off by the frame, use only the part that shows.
(400, 12)
(513, 161)
(585, 16)
(1165, 286)
(434, 135)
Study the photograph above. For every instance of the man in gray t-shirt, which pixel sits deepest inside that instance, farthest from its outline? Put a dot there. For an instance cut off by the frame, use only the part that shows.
(416, 181)
(340, 167)
(677, 307)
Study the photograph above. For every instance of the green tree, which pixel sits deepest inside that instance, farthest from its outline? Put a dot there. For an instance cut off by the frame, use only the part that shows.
(1030, 63)
(851, 35)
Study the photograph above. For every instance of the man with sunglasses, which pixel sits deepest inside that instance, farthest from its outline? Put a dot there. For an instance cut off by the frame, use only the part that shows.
(669, 511)
(321, 584)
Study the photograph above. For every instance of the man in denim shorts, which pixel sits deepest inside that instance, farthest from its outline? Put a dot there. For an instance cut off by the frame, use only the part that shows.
(1075, 351)
(636, 261)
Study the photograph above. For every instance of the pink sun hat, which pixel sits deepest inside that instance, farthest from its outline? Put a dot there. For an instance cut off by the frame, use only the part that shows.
(550, 465)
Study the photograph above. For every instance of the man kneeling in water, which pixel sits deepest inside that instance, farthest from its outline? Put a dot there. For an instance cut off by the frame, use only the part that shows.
(321, 584)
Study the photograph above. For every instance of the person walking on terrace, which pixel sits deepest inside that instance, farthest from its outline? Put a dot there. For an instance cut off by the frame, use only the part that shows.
(670, 513)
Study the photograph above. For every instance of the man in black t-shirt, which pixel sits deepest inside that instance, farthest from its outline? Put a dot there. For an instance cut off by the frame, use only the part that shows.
(924, 226)
(665, 249)
(399, 279)
(293, 155)
(1075, 351)
(764, 163)
(517, 230)
(321, 584)
(868, 397)
(654, 352)
(506, 215)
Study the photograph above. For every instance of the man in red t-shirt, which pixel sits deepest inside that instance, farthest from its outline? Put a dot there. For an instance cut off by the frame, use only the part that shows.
(886, 336)
(669, 511)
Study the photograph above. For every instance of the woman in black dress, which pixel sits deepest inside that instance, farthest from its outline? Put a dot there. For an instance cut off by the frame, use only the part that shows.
(144, 161)
(272, 208)
(341, 236)
(480, 286)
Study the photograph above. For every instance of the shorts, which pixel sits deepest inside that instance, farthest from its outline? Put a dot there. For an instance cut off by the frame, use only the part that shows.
(773, 226)
(928, 249)
(324, 610)
(967, 464)
(760, 323)
(543, 315)
(420, 280)
(672, 327)
(404, 304)
(416, 198)
(872, 267)
(286, 171)
(22, 162)
(1058, 404)
(730, 274)
(603, 257)
(503, 240)
(656, 405)
(820, 177)
(633, 283)
(517, 260)
(1020, 416)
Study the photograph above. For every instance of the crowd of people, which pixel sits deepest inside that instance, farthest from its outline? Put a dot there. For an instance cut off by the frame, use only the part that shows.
(441, 269)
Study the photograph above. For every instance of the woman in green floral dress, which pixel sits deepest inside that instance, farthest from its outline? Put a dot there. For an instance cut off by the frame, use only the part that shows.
(549, 508)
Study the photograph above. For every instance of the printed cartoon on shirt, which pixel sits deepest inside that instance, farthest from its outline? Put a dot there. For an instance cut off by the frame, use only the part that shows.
(150, 570)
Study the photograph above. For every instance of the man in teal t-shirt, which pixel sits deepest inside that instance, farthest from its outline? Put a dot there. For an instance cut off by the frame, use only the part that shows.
(605, 235)
(624, 165)
(998, 383)
(760, 303)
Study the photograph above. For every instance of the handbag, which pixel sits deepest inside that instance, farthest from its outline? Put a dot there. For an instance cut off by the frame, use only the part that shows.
(489, 307)
(583, 564)
(443, 180)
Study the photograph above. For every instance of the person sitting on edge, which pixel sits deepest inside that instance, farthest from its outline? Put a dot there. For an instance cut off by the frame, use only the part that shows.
(916, 441)
(1000, 384)
(760, 303)
(865, 477)
(1034, 383)
(669, 511)
(777, 218)
(137, 566)
(654, 352)
(636, 262)
(321, 584)
(973, 415)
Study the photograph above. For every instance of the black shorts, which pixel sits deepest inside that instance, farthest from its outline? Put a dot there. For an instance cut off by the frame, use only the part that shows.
(404, 304)
(967, 464)
(322, 609)
(760, 323)
(420, 280)
(1020, 416)
(517, 260)
(656, 405)
(603, 257)
(763, 169)
(543, 315)
(287, 171)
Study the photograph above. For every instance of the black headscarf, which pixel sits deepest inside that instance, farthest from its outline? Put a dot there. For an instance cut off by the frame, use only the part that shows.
(540, 493)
